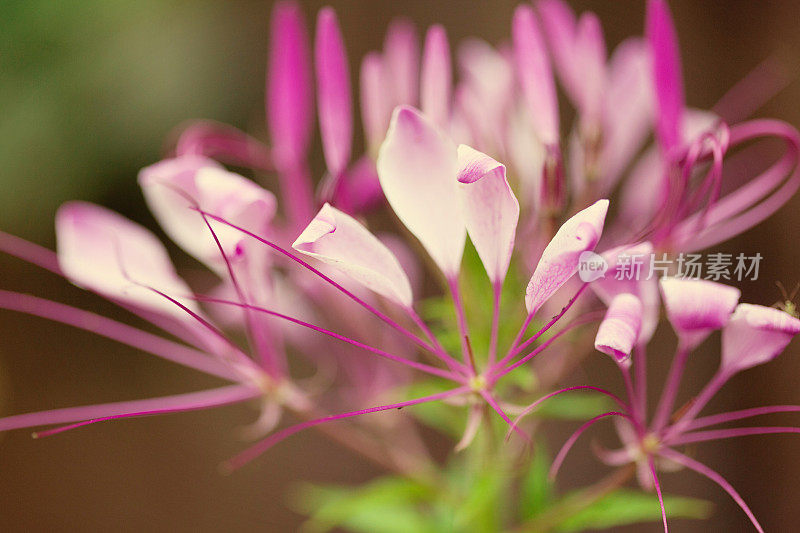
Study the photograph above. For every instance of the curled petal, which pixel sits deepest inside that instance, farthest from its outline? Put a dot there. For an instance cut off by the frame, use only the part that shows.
(340, 241)
(491, 211)
(617, 280)
(333, 92)
(103, 251)
(417, 168)
(696, 307)
(174, 186)
(560, 258)
(661, 35)
(620, 328)
(536, 78)
(289, 99)
(436, 77)
(755, 335)
(591, 47)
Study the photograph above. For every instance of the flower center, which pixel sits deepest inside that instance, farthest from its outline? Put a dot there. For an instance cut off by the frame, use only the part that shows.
(477, 383)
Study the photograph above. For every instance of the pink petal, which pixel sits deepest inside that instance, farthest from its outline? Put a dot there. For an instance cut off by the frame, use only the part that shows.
(559, 261)
(174, 186)
(755, 335)
(436, 78)
(417, 168)
(401, 51)
(333, 92)
(107, 253)
(342, 242)
(663, 41)
(591, 59)
(485, 93)
(697, 307)
(560, 25)
(491, 210)
(628, 108)
(376, 106)
(536, 78)
(620, 328)
(289, 99)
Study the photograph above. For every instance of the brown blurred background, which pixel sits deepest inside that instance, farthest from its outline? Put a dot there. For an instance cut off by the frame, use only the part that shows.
(90, 90)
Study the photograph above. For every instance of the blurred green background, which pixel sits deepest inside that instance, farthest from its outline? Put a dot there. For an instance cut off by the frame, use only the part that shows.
(89, 92)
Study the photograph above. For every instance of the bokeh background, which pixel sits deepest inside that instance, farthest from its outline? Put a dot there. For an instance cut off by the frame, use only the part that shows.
(90, 91)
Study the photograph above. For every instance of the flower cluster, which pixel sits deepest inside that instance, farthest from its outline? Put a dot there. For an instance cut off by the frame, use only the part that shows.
(432, 154)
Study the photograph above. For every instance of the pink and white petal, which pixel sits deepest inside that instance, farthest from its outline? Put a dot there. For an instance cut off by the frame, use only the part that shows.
(339, 240)
(436, 77)
(491, 211)
(103, 251)
(755, 335)
(334, 101)
(527, 154)
(417, 168)
(173, 187)
(535, 75)
(559, 24)
(620, 328)
(289, 86)
(401, 50)
(485, 92)
(696, 307)
(663, 41)
(590, 47)
(559, 261)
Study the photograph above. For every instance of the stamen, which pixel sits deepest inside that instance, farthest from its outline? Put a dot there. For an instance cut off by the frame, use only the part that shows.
(718, 434)
(529, 409)
(122, 333)
(89, 414)
(562, 453)
(745, 413)
(702, 469)
(408, 362)
(657, 485)
(261, 447)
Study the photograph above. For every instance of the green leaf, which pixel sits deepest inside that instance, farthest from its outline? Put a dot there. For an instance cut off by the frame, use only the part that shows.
(627, 506)
(386, 505)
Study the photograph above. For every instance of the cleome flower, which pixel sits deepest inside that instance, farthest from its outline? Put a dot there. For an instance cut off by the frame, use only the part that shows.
(348, 302)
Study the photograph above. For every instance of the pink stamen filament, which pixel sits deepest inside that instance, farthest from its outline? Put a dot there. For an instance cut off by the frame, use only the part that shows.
(122, 333)
(717, 434)
(516, 348)
(261, 447)
(562, 453)
(461, 318)
(497, 371)
(89, 414)
(702, 469)
(256, 337)
(328, 280)
(671, 388)
(546, 397)
(408, 362)
(652, 465)
(738, 415)
(497, 288)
